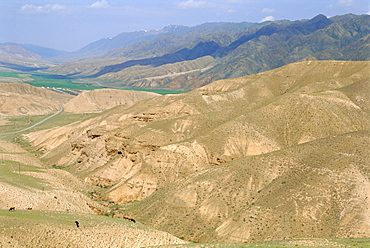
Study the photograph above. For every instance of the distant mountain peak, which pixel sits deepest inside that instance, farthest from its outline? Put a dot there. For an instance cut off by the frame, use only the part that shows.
(319, 18)
(172, 27)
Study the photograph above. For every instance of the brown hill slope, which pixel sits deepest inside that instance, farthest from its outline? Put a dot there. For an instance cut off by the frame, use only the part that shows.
(48, 202)
(26, 183)
(160, 148)
(24, 99)
(316, 189)
(103, 99)
(55, 229)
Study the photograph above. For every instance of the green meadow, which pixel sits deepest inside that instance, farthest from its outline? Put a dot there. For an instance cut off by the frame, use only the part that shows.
(10, 74)
(60, 81)
(11, 172)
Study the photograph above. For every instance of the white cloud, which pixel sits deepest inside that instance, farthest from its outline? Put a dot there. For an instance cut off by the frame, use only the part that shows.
(267, 10)
(268, 19)
(100, 5)
(48, 8)
(231, 11)
(191, 4)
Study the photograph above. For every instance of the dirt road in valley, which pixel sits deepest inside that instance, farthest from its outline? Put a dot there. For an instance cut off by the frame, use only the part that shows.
(38, 123)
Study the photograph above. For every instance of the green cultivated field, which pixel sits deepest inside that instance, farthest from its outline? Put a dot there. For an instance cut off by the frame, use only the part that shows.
(10, 74)
(59, 81)
(65, 82)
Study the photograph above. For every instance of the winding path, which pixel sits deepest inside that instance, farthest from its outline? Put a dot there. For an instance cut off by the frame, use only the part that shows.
(38, 123)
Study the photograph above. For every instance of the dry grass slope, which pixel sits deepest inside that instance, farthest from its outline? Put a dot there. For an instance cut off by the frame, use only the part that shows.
(103, 99)
(267, 156)
(56, 229)
(48, 202)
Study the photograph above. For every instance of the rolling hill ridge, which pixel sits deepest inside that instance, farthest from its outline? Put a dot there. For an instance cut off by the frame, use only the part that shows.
(279, 154)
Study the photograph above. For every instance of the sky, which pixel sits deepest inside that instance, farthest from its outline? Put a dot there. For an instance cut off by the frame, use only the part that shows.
(71, 24)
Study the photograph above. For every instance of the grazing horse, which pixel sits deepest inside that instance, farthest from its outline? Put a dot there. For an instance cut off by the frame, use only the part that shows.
(12, 209)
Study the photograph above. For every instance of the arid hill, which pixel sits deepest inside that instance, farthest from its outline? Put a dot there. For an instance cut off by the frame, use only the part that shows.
(55, 229)
(103, 99)
(25, 183)
(313, 190)
(47, 202)
(24, 99)
(269, 156)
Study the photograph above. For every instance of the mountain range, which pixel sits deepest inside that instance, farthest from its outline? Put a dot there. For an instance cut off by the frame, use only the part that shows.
(267, 141)
(182, 58)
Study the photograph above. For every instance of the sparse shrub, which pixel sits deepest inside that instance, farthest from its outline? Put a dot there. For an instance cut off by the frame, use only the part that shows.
(57, 167)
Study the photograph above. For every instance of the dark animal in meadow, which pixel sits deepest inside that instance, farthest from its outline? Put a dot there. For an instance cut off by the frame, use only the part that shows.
(28, 208)
(12, 209)
(130, 219)
(77, 224)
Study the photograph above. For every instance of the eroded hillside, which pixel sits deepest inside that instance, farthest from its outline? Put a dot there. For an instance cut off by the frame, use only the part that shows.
(39, 207)
(267, 156)
(317, 189)
(24, 99)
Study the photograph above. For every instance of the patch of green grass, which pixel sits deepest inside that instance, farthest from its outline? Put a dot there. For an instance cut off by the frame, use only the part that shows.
(10, 74)
(50, 80)
(67, 118)
(19, 123)
(62, 119)
(11, 172)
(57, 167)
(16, 139)
(59, 81)
(65, 82)
(61, 84)
(56, 217)
(361, 243)
(354, 242)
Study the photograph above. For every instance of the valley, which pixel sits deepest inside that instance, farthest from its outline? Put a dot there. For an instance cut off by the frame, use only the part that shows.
(279, 155)
(49, 200)
(218, 135)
